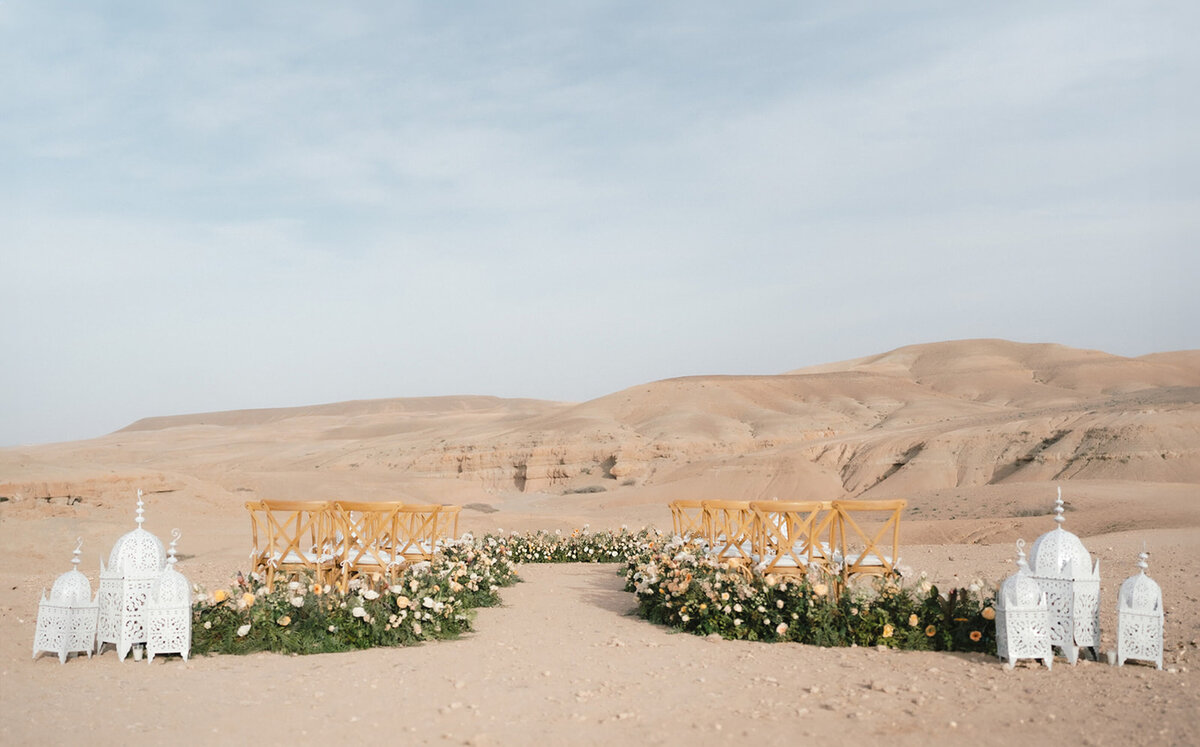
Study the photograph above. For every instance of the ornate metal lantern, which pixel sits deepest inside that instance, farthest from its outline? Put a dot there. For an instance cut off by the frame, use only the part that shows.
(136, 562)
(1063, 569)
(1140, 618)
(169, 611)
(66, 620)
(1023, 617)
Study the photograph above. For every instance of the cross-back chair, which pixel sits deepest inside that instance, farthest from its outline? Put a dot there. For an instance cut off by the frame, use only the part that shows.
(794, 536)
(418, 531)
(300, 539)
(687, 518)
(868, 552)
(448, 523)
(366, 533)
(260, 551)
(730, 530)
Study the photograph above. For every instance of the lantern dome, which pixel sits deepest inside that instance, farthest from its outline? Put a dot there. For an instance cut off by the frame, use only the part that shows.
(137, 553)
(1058, 552)
(71, 587)
(1020, 590)
(1140, 592)
(172, 587)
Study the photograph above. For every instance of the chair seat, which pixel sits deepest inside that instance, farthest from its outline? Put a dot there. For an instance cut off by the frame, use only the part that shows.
(295, 558)
(376, 557)
(870, 560)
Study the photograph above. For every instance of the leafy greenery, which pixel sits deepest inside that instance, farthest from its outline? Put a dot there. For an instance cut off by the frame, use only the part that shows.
(685, 589)
(676, 584)
(429, 600)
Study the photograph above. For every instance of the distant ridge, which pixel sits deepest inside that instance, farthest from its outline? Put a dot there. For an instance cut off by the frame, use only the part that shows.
(963, 414)
(350, 408)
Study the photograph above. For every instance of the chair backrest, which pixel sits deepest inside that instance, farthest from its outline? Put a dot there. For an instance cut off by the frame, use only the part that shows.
(299, 529)
(795, 535)
(729, 529)
(258, 530)
(366, 531)
(687, 518)
(872, 551)
(448, 523)
(418, 529)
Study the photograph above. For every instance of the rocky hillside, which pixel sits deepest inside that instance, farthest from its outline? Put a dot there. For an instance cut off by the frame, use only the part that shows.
(925, 417)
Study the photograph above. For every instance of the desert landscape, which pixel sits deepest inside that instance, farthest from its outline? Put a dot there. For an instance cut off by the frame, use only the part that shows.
(976, 435)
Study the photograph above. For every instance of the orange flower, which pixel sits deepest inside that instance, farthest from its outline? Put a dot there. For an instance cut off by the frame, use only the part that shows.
(930, 631)
(976, 635)
(316, 589)
(989, 613)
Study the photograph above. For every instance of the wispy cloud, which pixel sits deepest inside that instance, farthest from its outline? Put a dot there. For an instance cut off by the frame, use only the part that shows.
(287, 203)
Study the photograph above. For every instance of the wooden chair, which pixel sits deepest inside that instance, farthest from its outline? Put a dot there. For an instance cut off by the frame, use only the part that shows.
(299, 539)
(417, 531)
(730, 530)
(366, 535)
(862, 554)
(794, 536)
(260, 552)
(448, 523)
(687, 518)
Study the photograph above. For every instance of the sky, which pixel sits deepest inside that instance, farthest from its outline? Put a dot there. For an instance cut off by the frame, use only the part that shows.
(215, 206)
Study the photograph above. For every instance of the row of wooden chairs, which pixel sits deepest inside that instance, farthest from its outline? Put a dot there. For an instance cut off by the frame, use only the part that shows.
(843, 539)
(336, 541)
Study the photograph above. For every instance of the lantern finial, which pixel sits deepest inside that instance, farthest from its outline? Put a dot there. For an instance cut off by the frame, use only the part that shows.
(175, 535)
(140, 510)
(1142, 556)
(76, 553)
(1021, 564)
(1058, 508)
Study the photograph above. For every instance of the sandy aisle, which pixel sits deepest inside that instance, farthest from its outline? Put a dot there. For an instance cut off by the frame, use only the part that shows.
(564, 661)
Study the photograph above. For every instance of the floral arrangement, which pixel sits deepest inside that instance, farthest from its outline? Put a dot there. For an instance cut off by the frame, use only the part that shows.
(676, 584)
(686, 589)
(429, 600)
(580, 546)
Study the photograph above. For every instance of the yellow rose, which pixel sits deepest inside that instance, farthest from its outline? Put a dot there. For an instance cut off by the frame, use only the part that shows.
(820, 590)
(284, 621)
(912, 621)
(887, 631)
(248, 599)
(220, 595)
(989, 613)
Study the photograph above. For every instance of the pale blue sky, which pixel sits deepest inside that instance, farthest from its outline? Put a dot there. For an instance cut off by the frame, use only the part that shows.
(209, 206)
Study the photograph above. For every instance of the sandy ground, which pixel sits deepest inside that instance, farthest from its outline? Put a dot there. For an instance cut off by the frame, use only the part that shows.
(565, 660)
(975, 435)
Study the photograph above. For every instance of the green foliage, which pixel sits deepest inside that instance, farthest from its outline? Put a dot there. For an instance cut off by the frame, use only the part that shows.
(581, 546)
(429, 600)
(685, 589)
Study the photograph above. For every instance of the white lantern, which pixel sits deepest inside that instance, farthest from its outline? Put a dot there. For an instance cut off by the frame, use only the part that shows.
(1140, 618)
(136, 561)
(66, 620)
(1063, 569)
(1023, 617)
(169, 611)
